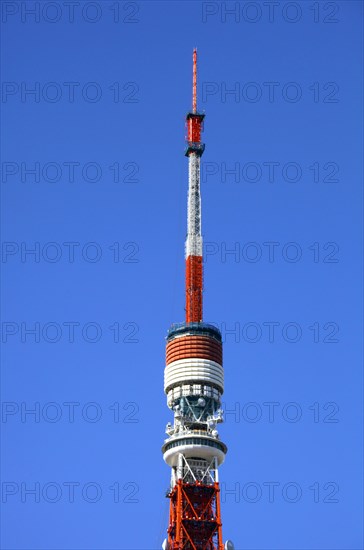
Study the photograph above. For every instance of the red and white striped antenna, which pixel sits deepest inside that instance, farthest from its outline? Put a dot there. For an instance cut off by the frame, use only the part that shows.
(194, 81)
(193, 248)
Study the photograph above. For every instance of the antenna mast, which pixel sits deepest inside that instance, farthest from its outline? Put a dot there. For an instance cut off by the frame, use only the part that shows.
(193, 248)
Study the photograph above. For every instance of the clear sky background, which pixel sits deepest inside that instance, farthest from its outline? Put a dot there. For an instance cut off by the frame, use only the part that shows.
(292, 213)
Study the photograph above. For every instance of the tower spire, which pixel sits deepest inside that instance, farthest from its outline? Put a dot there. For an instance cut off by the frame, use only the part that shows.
(193, 248)
(194, 82)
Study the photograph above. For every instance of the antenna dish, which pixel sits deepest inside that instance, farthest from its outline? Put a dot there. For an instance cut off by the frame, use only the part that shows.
(229, 545)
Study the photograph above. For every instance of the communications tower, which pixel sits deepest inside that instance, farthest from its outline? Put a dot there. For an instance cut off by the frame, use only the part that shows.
(194, 383)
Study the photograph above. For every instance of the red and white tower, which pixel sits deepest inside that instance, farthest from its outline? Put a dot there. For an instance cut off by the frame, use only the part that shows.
(194, 383)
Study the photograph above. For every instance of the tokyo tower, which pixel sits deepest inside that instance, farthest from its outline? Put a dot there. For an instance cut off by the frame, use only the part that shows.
(194, 383)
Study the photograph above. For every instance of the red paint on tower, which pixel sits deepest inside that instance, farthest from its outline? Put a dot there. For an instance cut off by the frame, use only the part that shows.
(194, 285)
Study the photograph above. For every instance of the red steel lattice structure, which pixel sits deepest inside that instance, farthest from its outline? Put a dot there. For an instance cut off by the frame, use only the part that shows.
(194, 384)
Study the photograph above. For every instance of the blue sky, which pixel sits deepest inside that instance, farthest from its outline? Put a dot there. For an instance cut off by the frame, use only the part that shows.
(105, 213)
